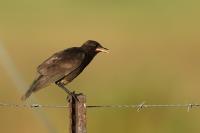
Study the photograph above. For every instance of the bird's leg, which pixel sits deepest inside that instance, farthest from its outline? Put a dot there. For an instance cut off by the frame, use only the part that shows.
(67, 90)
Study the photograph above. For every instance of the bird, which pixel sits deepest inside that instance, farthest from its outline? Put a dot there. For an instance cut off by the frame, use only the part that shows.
(64, 66)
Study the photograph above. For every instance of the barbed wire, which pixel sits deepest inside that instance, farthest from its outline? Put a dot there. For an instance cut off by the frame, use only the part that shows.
(135, 106)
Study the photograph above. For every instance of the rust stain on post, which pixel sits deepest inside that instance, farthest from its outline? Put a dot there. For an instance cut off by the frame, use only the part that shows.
(77, 114)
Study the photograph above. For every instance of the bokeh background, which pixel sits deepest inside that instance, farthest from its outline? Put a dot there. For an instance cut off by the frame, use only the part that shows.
(155, 52)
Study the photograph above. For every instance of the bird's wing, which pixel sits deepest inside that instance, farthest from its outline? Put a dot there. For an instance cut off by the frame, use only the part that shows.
(61, 63)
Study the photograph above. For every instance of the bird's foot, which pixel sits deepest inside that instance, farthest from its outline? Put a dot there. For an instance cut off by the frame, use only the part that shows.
(73, 95)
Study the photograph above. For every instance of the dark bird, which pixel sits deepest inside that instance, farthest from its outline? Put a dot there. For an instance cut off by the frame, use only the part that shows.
(62, 67)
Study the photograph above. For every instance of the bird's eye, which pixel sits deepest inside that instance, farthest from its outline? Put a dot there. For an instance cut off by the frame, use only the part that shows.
(97, 46)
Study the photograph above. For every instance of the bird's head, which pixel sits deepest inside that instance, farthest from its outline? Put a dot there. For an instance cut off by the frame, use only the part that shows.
(93, 47)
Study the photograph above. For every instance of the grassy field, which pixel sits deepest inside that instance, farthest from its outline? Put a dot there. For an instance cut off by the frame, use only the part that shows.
(154, 57)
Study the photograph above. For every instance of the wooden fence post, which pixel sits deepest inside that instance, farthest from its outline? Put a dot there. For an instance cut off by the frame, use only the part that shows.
(77, 114)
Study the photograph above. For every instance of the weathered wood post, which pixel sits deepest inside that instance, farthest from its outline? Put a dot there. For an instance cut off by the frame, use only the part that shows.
(77, 114)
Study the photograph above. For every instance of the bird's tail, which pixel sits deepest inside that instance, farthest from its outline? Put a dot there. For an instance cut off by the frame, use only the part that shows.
(36, 85)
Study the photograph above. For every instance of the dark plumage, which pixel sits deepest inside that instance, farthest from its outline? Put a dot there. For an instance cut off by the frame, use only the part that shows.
(62, 67)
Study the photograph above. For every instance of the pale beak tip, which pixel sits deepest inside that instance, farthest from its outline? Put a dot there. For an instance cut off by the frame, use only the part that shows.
(105, 50)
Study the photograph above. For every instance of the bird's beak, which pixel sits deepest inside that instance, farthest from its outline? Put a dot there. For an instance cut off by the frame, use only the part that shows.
(102, 49)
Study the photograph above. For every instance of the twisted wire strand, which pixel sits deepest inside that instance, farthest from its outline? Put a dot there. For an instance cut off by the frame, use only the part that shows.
(136, 106)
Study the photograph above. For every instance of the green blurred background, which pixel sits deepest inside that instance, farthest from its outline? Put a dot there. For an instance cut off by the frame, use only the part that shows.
(155, 51)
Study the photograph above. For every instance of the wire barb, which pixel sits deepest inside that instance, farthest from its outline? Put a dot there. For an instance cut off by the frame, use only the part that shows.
(141, 106)
(189, 107)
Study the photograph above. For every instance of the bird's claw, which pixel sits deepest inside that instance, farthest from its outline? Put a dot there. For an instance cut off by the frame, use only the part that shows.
(74, 96)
